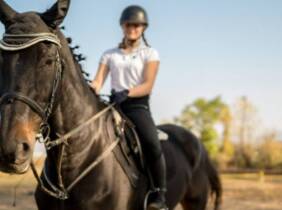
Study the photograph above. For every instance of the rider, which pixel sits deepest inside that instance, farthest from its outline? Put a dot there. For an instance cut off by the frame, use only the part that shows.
(133, 67)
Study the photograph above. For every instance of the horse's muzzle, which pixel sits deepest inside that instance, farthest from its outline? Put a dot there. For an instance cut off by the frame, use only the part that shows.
(13, 168)
(17, 161)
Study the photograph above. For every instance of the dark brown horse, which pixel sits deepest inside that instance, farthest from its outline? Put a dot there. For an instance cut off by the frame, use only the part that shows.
(42, 87)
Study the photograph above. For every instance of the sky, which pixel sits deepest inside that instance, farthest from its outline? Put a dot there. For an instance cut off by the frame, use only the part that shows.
(230, 48)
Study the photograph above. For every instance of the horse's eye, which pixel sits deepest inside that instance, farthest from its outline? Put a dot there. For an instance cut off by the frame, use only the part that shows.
(48, 44)
(49, 62)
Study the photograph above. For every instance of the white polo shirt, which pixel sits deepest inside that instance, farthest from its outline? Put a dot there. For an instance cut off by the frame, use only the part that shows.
(127, 69)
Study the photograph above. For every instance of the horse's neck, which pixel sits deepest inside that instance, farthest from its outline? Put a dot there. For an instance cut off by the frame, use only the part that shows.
(76, 104)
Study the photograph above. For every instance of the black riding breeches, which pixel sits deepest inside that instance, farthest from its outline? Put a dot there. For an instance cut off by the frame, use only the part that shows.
(138, 111)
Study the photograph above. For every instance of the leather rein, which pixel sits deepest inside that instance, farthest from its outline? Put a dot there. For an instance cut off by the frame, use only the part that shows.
(43, 136)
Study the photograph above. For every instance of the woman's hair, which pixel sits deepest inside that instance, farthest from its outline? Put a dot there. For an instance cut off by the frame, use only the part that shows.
(122, 45)
(145, 40)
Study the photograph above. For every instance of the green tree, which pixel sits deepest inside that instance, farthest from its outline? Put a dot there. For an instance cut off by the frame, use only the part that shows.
(227, 150)
(200, 117)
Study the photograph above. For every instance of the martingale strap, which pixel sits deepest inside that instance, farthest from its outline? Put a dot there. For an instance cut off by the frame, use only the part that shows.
(28, 40)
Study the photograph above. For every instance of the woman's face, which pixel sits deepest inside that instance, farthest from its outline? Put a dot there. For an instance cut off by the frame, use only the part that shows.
(133, 31)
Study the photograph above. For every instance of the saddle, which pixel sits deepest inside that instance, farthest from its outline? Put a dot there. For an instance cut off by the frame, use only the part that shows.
(129, 151)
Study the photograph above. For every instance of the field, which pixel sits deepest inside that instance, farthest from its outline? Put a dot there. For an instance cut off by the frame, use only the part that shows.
(241, 192)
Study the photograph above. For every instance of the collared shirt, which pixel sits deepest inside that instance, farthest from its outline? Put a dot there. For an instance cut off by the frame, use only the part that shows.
(127, 69)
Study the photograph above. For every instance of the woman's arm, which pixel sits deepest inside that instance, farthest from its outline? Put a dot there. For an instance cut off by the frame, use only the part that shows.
(150, 74)
(101, 75)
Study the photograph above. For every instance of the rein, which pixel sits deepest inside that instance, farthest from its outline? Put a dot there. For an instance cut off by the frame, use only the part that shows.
(26, 41)
(63, 193)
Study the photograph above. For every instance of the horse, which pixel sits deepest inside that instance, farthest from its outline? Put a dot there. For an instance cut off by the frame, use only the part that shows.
(44, 96)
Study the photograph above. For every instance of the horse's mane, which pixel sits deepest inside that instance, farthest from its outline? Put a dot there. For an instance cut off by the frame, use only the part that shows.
(77, 57)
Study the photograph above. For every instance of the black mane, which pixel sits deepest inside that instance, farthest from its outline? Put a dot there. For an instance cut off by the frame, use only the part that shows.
(78, 58)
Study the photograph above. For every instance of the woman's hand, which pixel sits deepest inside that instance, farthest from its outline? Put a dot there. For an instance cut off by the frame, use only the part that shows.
(120, 96)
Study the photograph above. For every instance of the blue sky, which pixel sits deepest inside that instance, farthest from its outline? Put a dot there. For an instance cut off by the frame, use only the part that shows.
(221, 47)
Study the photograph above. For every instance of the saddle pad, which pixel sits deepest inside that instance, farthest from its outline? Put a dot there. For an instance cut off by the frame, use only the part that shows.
(163, 136)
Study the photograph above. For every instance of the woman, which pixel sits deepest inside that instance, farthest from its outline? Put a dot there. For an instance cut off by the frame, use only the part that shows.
(133, 67)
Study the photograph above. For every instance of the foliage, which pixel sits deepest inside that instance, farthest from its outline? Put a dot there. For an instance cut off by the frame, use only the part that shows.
(266, 155)
(237, 145)
(245, 121)
(245, 156)
(270, 153)
(201, 117)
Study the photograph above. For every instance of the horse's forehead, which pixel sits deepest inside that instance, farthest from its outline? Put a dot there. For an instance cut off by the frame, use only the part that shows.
(29, 22)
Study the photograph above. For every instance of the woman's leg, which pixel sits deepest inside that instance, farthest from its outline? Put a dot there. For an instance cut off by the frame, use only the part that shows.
(151, 146)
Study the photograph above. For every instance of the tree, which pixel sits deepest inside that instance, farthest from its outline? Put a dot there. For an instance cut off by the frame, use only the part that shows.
(226, 120)
(226, 152)
(245, 121)
(200, 117)
(270, 152)
(245, 124)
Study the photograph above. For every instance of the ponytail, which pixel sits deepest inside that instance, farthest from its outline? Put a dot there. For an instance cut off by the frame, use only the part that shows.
(145, 40)
(122, 44)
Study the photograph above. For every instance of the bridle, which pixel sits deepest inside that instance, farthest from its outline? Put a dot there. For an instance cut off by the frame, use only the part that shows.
(6, 44)
(60, 192)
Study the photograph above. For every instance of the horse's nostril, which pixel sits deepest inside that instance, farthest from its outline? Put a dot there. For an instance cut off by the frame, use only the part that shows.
(22, 152)
(26, 147)
(23, 147)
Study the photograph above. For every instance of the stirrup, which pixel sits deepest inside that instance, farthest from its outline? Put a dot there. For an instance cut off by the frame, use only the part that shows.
(159, 190)
(154, 205)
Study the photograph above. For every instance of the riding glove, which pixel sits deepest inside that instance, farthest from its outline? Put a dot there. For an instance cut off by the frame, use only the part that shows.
(119, 96)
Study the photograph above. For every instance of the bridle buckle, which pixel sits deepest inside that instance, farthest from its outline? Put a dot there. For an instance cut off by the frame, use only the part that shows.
(44, 133)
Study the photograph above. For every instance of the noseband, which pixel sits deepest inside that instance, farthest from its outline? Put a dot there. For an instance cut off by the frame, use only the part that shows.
(26, 41)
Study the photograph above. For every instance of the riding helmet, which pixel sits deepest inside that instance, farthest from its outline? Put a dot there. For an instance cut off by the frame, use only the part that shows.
(134, 14)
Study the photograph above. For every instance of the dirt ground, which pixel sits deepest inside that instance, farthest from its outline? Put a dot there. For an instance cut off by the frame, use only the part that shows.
(241, 192)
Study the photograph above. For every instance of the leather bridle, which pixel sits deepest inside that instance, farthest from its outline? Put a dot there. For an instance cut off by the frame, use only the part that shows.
(6, 44)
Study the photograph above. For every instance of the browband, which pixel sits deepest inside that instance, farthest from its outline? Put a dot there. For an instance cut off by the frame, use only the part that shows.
(32, 40)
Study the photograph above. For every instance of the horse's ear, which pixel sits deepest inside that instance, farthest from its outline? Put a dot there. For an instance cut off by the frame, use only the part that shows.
(6, 13)
(54, 16)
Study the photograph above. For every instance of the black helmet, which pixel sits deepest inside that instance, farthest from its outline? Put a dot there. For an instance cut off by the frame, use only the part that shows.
(134, 14)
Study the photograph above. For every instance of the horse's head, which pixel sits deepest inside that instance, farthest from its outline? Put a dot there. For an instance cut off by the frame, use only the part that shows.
(30, 70)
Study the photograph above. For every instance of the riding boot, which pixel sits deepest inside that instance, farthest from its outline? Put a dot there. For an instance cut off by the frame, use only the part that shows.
(158, 177)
